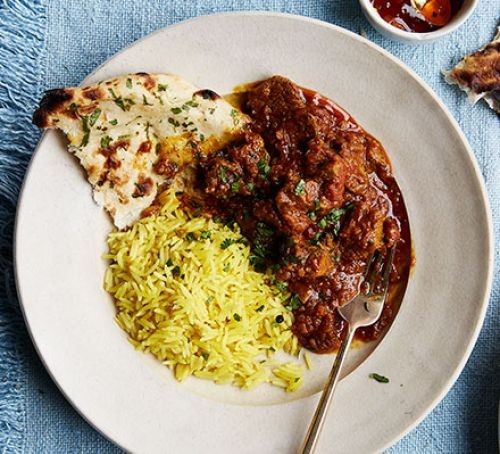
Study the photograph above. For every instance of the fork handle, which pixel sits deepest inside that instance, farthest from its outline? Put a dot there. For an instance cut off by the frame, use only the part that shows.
(319, 416)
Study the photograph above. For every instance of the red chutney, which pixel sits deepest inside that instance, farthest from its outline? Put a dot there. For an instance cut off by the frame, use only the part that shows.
(401, 14)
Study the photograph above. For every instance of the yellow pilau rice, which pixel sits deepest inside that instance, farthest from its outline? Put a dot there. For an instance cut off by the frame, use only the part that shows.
(185, 291)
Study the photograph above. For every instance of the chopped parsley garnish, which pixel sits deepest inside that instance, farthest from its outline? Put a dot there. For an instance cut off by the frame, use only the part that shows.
(316, 239)
(145, 101)
(176, 271)
(290, 259)
(73, 107)
(202, 138)
(234, 115)
(264, 230)
(311, 215)
(129, 83)
(294, 303)
(204, 235)
(263, 167)
(86, 131)
(211, 110)
(173, 122)
(274, 268)
(205, 355)
(317, 205)
(258, 256)
(159, 99)
(105, 141)
(279, 318)
(227, 242)
(250, 186)
(162, 87)
(222, 174)
(260, 308)
(379, 378)
(119, 102)
(129, 101)
(299, 189)
(281, 285)
(209, 299)
(235, 186)
(176, 110)
(335, 214)
(95, 115)
(113, 122)
(117, 99)
(190, 236)
(169, 262)
(191, 103)
(237, 317)
(333, 219)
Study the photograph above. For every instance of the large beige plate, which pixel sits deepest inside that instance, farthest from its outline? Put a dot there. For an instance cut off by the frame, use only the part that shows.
(60, 236)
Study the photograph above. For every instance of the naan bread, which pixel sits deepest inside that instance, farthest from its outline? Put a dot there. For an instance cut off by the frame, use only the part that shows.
(135, 133)
(478, 74)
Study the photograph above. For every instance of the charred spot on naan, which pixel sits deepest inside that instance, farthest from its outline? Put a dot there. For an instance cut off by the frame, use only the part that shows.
(147, 81)
(207, 94)
(54, 102)
(143, 186)
(144, 147)
(93, 93)
(164, 165)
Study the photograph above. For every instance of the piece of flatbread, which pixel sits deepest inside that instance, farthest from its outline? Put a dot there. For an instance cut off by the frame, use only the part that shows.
(133, 134)
(478, 74)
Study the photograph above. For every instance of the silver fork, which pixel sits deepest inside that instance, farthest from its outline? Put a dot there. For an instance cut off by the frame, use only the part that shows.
(363, 310)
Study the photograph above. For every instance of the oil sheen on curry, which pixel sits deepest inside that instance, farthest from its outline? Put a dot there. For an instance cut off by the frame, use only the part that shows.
(315, 196)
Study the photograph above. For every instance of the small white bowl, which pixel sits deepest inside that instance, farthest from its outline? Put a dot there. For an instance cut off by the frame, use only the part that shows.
(397, 34)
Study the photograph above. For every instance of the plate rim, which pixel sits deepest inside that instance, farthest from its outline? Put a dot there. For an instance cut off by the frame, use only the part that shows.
(487, 286)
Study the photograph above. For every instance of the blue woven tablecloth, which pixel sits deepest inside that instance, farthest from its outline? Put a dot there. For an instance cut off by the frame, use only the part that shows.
(44, 44)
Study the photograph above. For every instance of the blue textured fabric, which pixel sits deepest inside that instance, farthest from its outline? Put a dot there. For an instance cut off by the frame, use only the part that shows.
(47, 44)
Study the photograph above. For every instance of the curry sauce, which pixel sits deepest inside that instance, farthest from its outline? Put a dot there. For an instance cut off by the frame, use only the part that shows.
(315, 195)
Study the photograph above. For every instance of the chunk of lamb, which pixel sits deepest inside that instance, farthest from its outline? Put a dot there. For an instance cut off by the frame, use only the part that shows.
(280, 114)
(238, 169)
(294, 201)
(220, 176)
(363, 233)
